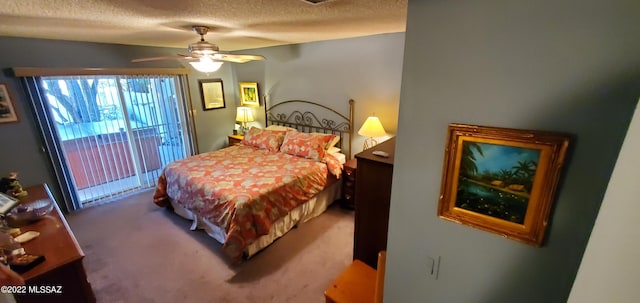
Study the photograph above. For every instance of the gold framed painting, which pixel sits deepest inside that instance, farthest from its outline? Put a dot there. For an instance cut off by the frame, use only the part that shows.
(7, 111)
(212, 93)
(501, 180)
(249, 95)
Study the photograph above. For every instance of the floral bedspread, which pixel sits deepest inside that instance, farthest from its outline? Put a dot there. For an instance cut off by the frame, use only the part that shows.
(242, 189)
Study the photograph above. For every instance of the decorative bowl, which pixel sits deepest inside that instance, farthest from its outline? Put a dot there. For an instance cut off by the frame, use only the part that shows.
(25, 213)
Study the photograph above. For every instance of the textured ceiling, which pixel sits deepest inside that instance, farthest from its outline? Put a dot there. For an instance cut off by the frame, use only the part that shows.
(235, 24)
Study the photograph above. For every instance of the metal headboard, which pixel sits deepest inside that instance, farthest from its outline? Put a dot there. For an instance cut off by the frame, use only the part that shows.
(309, 117)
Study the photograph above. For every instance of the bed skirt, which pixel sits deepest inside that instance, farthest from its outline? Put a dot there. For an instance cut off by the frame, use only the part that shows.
(306, 211)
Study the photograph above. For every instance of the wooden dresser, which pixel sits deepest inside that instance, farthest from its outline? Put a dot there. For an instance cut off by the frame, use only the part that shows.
(373, 194)
(63, 257)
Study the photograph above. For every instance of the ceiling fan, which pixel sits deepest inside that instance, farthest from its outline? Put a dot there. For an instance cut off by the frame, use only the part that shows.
(204, 56)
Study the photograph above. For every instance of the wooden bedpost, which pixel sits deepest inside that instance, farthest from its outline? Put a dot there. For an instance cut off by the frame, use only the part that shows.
(350, 127)
(266, 118)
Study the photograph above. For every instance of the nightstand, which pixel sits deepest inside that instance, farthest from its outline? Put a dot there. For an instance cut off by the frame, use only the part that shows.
(235, 139)
(348, 199)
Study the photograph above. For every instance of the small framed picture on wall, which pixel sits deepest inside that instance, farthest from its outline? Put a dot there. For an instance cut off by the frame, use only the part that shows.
(7, 111)
(212, 93)
(249, 95)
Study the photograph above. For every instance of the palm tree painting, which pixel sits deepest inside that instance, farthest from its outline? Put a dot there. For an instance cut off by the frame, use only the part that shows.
(496, 180)
(501, 180)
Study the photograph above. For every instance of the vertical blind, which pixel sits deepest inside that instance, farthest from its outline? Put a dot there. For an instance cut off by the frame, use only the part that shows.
(111, 134)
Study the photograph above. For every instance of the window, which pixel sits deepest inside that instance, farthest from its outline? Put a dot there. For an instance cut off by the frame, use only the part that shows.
(112, 134)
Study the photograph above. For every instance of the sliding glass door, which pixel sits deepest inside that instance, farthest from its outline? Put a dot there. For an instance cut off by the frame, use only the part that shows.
(114, 134)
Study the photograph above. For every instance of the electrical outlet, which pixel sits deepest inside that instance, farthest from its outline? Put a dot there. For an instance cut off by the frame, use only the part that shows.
(433, 267)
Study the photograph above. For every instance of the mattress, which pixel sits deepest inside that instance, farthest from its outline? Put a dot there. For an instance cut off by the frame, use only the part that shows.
(244, 192)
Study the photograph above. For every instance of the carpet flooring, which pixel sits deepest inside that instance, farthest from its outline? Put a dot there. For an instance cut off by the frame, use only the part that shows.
(138, 252)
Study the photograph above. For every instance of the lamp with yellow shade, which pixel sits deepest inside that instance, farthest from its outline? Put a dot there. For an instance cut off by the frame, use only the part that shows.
(372, 128)
(244, 115)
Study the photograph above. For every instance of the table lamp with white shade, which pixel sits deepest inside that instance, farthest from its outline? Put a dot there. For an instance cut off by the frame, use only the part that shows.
(244, 115)
(372, 128)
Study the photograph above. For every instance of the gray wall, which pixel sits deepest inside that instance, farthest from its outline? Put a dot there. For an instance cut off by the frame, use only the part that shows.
(568, 66)
(613, 248)
(366, 69)
(213, 126)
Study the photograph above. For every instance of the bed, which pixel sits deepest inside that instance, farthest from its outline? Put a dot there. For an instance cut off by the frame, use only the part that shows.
(248, 195)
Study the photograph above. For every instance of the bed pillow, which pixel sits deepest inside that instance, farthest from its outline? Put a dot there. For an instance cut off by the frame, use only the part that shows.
(264, 138)
(281, 128)
(333, 142)
(306, 145)
(335, 139)
(333, 150)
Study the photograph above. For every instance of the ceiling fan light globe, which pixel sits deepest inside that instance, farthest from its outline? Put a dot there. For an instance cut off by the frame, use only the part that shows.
(206, 65)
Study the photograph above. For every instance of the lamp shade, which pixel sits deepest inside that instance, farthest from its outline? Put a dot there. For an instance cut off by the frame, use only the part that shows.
(372, 128)
(206, 65)
(244, 114)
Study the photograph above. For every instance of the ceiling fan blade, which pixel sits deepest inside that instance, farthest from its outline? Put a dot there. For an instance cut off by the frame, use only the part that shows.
(202, 49)
(189, 57)
(236, 58)
(175, 57)
(155, 58)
